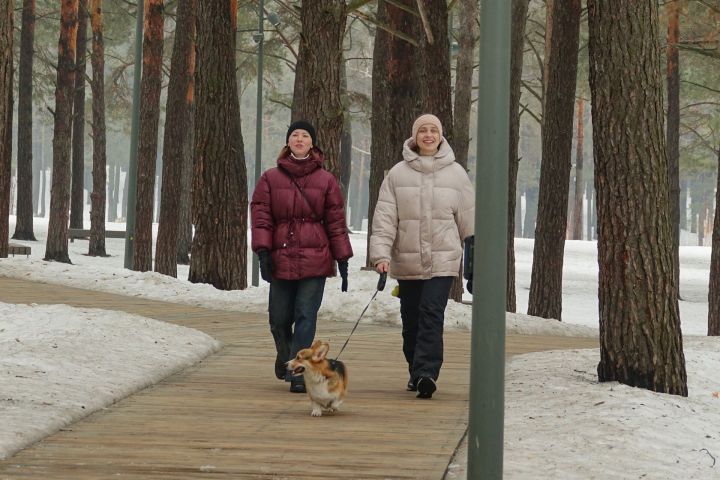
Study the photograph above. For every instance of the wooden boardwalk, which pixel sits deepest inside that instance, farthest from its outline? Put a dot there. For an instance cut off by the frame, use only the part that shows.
(228, 417)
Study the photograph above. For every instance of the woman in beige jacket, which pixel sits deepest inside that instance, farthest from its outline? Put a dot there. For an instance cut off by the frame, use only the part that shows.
(425, 210)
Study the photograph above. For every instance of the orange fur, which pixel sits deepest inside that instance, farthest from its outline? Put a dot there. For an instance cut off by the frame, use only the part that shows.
(325, 380)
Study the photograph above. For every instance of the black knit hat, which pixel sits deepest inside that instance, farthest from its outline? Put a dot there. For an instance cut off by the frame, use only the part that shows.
(302, 125)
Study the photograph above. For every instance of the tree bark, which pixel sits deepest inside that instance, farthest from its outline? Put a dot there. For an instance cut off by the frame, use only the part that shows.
(150, 89)
(345, 140)
(517, 44)
(185, 229)
(77, 194)
(219, 249)
(25, 211)
(6, 113)
(640, 337)
(177, 118)
(96, 246)
(316, 96)
(395, 95)
(468, 35)
(434, 61)
(673, 128)
(714, 291)
(57, 239)
(577, 222)
(561, 49)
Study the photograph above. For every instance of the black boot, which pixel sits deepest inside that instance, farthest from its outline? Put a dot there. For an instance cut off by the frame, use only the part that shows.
(280, 367)
(297, 385)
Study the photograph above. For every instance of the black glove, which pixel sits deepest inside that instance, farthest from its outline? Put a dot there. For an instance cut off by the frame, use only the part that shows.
(343, 269)
(469, 258)
(266, 266)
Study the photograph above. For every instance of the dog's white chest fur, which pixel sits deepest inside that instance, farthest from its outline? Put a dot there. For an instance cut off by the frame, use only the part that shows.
(320, 397)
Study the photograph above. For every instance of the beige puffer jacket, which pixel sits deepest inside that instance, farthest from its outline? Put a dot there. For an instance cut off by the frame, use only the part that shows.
(425, 209)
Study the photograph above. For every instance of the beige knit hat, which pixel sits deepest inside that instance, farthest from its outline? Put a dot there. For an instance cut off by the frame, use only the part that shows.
(427, 118)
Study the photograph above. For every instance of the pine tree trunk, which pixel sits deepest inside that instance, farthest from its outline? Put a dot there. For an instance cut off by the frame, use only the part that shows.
(592, 212)
(468, 34)
(150, 89)
(673, 128)
(37, 152)
(96, 246)
(185, 228)
(178, 110)
(434, 61)
(561, 47)
(531, 199)
(219, 249)
(77, 195)
(714, 291)
(25, 211)
(702, 217)
(345, 140)
(683, 205)
(316, 96)
(112, 193)
(6, 113)
(640, 337)
(395, 96)
(577, 222)
(57, 239)
(517, 44)
(43, 178)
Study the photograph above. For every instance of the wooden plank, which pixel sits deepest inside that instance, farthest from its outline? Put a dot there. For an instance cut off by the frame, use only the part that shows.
(228, 417)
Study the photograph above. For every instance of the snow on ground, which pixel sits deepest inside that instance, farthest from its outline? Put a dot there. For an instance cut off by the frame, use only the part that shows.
(59, 364)
(560, 422)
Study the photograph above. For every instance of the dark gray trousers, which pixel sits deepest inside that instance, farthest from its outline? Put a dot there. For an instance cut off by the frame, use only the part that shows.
(294, 303)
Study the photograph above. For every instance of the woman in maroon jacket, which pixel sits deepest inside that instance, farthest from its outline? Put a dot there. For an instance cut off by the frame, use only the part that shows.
(299, 232)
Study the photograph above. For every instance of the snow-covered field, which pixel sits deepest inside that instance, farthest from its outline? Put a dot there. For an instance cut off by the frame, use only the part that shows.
(560, 423)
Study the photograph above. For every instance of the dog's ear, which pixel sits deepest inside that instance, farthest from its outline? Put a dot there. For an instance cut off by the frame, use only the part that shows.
(321, 351)
(315, 344)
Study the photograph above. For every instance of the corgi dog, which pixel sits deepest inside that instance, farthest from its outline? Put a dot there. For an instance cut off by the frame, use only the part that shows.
(325, 380)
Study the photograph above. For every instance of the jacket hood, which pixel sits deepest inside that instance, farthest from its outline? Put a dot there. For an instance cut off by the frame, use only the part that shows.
(442, 158)
(300, 168)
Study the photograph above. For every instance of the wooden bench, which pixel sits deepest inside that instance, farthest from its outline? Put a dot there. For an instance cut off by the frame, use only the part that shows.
(16, 248)
(74, 233)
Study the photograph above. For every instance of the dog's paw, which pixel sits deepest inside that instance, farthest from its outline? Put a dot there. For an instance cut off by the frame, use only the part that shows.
(316, 412)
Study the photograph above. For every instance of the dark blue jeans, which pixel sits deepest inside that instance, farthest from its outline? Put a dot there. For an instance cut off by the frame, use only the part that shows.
(294, 303)
(422, 308)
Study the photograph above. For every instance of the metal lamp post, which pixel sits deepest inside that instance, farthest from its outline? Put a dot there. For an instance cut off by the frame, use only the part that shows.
(132, 164)
(260, 39)
(487, 364)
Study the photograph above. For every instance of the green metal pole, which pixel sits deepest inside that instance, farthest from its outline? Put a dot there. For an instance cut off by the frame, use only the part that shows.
(487, 369)
(132, 164)
(258, 122)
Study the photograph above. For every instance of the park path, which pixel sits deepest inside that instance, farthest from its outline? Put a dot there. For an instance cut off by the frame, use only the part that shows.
(229, 418)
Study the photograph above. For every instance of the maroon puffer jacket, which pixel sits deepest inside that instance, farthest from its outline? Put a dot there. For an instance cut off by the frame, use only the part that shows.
(304, 243)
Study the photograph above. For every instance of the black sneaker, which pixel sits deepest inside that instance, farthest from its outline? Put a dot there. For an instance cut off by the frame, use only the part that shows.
(280, 370)
(297, 386)
(426, 387)
(411, 386)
